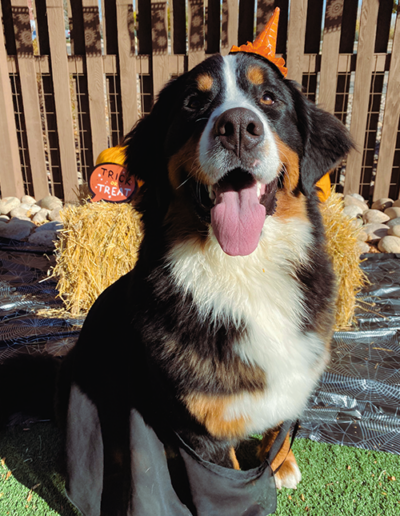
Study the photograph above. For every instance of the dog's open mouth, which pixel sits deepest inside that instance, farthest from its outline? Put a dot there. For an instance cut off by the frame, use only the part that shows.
(239, 205)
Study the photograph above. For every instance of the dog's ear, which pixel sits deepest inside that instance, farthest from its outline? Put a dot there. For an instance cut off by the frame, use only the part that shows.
(326, 141)
(145, 157)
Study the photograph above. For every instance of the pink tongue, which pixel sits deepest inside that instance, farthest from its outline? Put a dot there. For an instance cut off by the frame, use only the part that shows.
(237, 219)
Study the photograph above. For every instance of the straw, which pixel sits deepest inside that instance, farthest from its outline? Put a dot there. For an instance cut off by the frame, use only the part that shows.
(342, 246)
(98, 244)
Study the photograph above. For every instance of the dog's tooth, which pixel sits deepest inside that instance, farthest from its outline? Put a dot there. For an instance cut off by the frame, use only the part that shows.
(258, 189)
(211, 193)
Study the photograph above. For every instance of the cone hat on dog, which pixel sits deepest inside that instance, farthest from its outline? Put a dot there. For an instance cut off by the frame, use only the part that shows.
(265, 44)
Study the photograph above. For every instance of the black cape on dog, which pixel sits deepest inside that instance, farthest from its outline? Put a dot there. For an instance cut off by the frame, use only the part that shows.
(210, 489)
(118, 433)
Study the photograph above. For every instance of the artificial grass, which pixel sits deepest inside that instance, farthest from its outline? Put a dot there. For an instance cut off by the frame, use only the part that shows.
(337, 480)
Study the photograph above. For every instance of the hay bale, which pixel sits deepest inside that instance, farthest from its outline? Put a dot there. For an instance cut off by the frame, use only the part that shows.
(342, 246)
(98, 244)
(100, 241)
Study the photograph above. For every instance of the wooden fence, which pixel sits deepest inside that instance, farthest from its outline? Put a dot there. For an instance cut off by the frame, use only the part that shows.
(64, 98)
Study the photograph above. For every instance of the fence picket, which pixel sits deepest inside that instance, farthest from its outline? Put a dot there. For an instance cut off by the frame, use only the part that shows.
(127, 64)
(230, 25)
(296, 40)
(390, 120)
(330, 56)
(95, 76)
(10, 171)
(159, 45)
(62, 97)
(196, 33)
(29, 91)
(362, 84)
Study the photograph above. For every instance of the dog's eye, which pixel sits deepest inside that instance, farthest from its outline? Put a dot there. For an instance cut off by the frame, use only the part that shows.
(194, 103)
(267, 100)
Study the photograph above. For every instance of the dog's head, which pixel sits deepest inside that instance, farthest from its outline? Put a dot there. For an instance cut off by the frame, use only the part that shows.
(230, 143)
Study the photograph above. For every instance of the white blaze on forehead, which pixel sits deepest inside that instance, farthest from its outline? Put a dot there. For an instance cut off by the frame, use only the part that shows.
(235, 97)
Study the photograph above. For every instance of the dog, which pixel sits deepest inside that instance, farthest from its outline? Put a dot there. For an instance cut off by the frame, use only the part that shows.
(223, 328)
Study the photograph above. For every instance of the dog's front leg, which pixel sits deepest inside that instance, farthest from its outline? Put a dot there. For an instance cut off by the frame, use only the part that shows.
(288, 474)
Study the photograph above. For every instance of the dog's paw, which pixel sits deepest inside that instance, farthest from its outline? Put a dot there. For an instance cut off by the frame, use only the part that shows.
(288, 475)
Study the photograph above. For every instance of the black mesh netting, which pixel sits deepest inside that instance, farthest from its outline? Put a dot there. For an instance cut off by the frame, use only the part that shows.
(358, 398)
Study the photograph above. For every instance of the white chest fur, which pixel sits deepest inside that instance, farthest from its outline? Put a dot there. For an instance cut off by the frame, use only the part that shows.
(260, 291)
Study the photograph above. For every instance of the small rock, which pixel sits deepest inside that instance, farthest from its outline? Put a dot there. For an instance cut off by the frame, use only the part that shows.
(43, 238)
(50, 202)
(352, 211)
(393, 213)
(363, 247)
(41, 215)
(389, 244)
(362, 236)
(33, 210)
(27, 199)
(394, 231)
(349, 200)
(18, 212)
(382, 204)
(357, 223)
(8, 204)
(50, 226)
(375, 231)
(393, 222)
(357, 196)
(16, 229)
(375, 217)
(55, 214)
(25, 206)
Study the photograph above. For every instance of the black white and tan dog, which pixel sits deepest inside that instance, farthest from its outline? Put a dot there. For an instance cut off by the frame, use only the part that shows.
(223, 327)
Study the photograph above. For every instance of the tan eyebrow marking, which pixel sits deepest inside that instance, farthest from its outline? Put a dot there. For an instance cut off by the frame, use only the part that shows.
(255, 75)
(205, 82)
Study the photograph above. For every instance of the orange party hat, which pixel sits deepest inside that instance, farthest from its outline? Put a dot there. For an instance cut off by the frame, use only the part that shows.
(265, 43)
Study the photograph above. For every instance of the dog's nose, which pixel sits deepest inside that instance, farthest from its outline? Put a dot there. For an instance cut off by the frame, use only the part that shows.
(239, 130)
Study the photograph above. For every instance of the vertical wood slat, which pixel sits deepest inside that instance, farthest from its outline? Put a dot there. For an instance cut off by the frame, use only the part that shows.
(62, 97)
(390, 120)
(95, 76)
(230, 25)
(10, 171)
(30, 97)
(159, 45)
(127, 63)
(196, 33)
(365, 52)
(296, 39)
(330, 55)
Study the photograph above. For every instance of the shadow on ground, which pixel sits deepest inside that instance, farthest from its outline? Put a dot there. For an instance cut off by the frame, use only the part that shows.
(34, 457)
